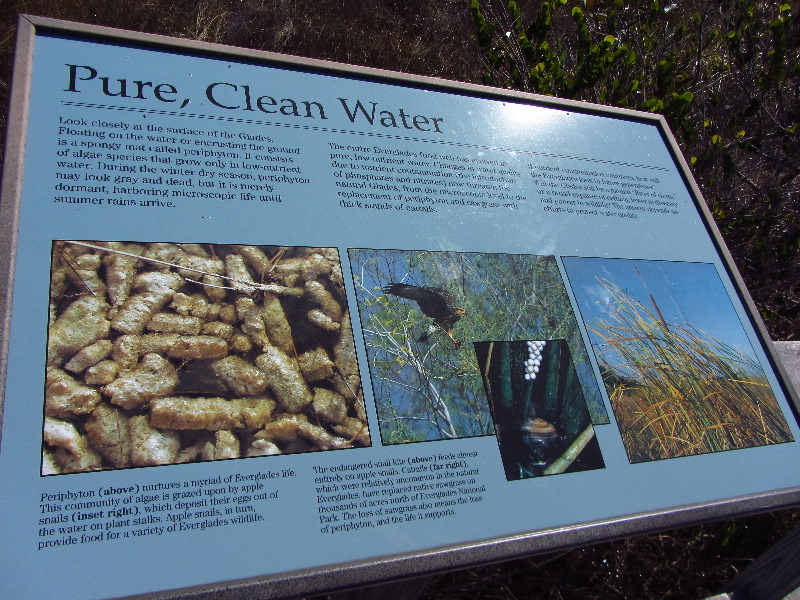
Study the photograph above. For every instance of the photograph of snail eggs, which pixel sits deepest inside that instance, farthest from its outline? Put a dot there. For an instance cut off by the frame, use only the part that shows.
(542, 424)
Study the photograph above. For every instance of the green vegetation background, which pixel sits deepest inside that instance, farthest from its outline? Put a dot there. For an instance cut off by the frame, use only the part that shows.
(725, 73)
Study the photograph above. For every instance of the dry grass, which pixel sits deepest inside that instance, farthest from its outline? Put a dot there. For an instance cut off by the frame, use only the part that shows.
(689, 563)
(677, 391)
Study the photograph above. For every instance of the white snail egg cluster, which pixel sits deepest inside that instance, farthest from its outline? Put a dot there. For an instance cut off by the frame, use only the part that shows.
(534, 359)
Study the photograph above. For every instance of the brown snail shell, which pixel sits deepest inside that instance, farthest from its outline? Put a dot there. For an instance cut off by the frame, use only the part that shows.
(538, 433)
(539, 427)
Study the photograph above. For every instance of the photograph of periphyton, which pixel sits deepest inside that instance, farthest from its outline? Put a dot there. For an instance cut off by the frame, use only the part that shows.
(540, 415)
(420, 313)
(162, 353)
(681, 374)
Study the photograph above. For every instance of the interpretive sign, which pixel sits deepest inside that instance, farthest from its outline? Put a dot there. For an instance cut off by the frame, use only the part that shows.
(283, 323)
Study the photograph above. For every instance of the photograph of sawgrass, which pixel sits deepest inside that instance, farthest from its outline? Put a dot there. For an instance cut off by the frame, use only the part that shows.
(680, 373)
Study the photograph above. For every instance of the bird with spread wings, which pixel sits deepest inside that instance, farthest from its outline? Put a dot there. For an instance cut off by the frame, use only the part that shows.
(436, 303)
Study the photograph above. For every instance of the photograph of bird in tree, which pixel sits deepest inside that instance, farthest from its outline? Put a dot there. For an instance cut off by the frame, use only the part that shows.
(421, 313)
(436, 303)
